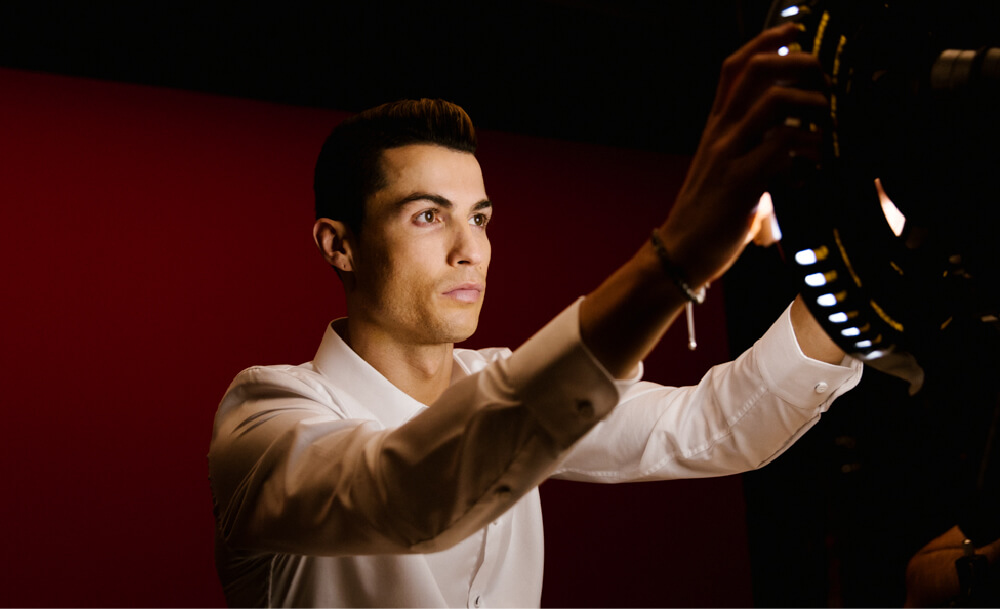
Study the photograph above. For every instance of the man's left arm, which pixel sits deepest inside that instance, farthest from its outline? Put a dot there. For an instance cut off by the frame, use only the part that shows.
(747, 145)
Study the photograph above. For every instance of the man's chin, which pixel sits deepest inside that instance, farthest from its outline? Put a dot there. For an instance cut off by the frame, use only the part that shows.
(463, 330)
(464, 335)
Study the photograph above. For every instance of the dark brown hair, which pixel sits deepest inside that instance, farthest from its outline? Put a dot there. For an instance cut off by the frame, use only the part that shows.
(349, 169)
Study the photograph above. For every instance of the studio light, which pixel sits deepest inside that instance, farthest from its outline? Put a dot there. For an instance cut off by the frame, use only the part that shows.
(895, 233)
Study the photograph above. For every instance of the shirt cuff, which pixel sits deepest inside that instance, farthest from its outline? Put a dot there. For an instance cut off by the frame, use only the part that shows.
(563, 384)
(800, 380)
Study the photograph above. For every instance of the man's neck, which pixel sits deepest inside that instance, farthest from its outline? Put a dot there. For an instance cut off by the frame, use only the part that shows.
(421, 371)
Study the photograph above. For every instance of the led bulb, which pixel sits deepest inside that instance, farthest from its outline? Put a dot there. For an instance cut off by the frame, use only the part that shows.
(806, 257)
(815, 280)
(838, 318)
(851, 331)
(827, 300)
(790, 11)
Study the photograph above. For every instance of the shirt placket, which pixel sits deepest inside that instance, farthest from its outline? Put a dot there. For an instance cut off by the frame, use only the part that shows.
(497, 539)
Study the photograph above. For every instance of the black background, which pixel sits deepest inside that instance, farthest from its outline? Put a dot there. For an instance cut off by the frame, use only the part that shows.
(634, 73)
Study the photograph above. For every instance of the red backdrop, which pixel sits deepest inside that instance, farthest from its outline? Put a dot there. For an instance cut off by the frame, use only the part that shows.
(155, 242)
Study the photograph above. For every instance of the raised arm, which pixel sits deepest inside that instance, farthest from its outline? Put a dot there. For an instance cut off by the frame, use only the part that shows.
(745, 146)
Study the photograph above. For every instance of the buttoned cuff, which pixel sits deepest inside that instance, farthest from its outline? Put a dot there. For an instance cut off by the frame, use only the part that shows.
(800, 380)
(563, 384)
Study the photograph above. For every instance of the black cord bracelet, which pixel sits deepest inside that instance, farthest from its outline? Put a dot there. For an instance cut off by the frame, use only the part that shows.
(674, 273)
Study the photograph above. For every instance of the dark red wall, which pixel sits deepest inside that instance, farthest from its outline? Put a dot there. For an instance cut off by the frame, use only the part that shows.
(154, 242)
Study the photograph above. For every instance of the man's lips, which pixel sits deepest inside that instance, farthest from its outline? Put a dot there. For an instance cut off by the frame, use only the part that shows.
(466, 292)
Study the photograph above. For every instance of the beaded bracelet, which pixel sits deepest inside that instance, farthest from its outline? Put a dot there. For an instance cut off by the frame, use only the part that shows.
(695, 296)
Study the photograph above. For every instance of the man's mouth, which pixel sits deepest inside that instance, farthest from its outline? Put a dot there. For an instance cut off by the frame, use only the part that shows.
(466, 292)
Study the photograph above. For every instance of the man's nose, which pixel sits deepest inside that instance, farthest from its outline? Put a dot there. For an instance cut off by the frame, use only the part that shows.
(468, 245)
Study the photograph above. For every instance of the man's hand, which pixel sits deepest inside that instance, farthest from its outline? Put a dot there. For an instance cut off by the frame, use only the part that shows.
(747, 143)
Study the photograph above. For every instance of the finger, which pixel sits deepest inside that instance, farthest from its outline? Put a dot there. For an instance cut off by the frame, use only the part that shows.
(797, 70)
(797, 140)
(777, 154)
(762, 232)
(782, 111)
(768, 41)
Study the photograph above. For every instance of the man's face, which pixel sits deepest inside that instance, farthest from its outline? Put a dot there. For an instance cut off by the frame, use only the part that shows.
(421, 260)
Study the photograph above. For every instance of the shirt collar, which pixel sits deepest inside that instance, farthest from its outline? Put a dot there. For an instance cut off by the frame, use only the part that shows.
(353, 376)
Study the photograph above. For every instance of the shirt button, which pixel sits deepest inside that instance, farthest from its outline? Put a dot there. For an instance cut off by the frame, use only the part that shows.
(821, 387)
(477, 602)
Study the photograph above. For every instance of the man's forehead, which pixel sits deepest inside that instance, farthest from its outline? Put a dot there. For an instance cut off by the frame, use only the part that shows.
(431, 168)
(423, 153)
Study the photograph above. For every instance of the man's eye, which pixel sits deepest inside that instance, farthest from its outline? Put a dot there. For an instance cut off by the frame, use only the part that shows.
(479, 220)
(427, 216)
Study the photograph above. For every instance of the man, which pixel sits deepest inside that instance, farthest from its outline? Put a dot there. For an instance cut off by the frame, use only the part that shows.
(396, 470)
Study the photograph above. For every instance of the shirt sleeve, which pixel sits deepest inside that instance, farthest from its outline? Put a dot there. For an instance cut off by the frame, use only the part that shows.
(740, 416)
(291, 474)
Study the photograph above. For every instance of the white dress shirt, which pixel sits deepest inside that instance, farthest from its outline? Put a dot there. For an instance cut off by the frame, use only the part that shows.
(330, 490)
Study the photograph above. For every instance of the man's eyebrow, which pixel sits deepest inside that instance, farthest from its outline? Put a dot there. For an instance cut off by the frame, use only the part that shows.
(425, 196)
(439, 200)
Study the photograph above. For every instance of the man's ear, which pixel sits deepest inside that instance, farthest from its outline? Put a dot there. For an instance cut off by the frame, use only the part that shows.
(335, 241)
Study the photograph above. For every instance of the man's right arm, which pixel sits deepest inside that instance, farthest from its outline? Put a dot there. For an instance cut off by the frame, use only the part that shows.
(291, 473)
